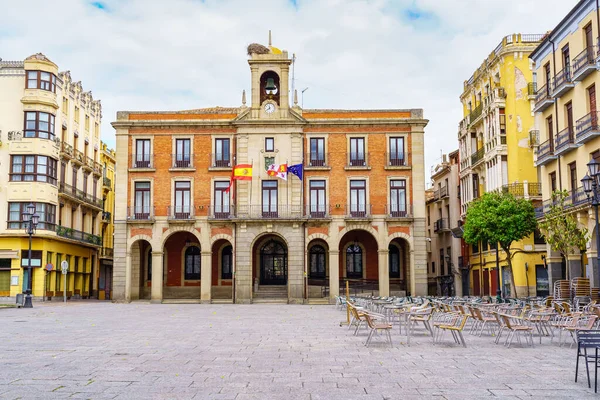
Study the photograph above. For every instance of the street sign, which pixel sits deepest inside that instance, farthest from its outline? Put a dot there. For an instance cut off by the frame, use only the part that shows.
(49, 267)
(64, 266)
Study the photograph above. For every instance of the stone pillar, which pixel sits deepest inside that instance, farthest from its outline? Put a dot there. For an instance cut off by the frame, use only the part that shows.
(418, 257)
(128, 276)
(157, 277)
(554, 271)
(334, 274)
(243, 265)
(384, 273)
(593, 268)
(574, 266)
(206, 277)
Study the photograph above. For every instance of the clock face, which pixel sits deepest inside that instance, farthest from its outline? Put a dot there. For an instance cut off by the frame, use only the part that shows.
(269, 108)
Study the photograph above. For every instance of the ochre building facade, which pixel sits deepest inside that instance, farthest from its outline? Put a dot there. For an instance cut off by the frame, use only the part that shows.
(357, 215)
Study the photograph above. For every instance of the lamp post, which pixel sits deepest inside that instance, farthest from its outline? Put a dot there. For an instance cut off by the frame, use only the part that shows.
(31, 219)
(591, 183)
(498, 290)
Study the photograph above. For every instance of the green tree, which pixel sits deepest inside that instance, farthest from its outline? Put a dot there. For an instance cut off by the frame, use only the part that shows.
(561, 229)
(500, 218)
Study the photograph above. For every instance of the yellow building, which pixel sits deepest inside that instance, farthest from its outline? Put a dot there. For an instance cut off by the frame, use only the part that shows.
(495, 155)
(566, 135)
(50, 154)
(108, 160)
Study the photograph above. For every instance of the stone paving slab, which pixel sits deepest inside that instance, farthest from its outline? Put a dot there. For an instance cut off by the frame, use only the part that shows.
(100, 350)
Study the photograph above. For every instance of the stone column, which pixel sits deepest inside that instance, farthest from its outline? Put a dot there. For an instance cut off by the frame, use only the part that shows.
(418, 265)
(206, 277)
(554, 271)
(128, 276)
(574, 265)
(334, 274)
(157, 277)
(384, 273)
(593, 269)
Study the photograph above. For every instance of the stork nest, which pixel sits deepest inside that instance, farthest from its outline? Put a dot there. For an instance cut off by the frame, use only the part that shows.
(255, 48)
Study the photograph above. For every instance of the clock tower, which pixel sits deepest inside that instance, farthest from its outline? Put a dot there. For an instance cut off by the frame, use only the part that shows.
(270, 69)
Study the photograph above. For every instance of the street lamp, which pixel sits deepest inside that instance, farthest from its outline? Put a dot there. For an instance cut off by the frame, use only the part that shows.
(591, 183)
(31, 219)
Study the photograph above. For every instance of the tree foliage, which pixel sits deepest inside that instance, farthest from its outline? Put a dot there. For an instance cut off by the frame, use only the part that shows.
(500, 218)
(561, 229)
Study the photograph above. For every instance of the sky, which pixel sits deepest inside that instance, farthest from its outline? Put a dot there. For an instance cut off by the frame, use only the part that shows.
(185, 54)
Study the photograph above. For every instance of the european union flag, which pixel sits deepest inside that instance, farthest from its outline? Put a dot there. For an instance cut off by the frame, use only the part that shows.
(296, 170)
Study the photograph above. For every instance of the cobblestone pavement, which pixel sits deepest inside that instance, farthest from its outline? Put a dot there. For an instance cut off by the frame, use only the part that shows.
(99, 350)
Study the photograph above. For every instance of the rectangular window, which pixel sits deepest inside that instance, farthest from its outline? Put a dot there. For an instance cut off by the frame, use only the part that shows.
(475, 248)
(397, 151)
(182, 199)
(357, 152)
(33, 168)
(318, 208)
(36, 258)
(85, 183)
(358, 198)
(142, 153)
(573, 177)
(317, 152)
(182, 153)
(142, 200)
(269, 199)
(398, 198)
(41, 80)
(46, 212)
(39, 125)
(221, 207)
(548, 77)
(269, 144)
(222, 153)
(566, 58)
(552, 182)
(442, 264)
(65, 106)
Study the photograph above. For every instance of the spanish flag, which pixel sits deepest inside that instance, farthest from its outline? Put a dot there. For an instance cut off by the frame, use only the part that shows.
(242, 172)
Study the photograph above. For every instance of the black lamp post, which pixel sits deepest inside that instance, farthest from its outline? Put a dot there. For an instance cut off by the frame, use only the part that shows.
(31, 219)
(591, 186)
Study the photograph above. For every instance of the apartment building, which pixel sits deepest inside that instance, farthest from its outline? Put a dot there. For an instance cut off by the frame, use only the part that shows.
(447, 272)
(566, 134)
(206, 221)
(108, 159)
(496, 155)
(50, 154)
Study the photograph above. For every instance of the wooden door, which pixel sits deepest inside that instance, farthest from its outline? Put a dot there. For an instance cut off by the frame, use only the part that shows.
(476, 286)
(486, 282)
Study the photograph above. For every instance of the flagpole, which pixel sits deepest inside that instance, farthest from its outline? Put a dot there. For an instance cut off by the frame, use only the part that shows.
(251, 184)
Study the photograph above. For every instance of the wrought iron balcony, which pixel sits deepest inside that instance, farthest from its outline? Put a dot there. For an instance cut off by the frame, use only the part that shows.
(353, 211)
(576, 198)
(316, 160)
(587, 127)
(265, 211)
(182, 160)
(142, 161)
(80, 236)
(584, 64)
(317, 211)
(531, 90)
(357, 160)
(477, 156)
(441, 225)
(140, 214)
(475, 114)
(398, 211)
(221, 212)
(396, 159)
(565, 140)
(545, 153)
(222, 160)
(181, 213)
(543, 98)
(79, 195)
(563, 82)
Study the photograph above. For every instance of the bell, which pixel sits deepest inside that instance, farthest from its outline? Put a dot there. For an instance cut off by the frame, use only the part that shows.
(270, 86)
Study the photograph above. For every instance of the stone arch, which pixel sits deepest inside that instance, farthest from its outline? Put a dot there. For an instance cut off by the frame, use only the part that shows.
(140, 256)
(139, 237)
(221, 236)
(171, 231)
(366, 228)
(401, 235)
(258, 237)
(317, 236)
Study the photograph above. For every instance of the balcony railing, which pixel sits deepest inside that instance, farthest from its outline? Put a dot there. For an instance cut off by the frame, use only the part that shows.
(565, 140)
(357, 159)
(475, 113)
(543, 98)
(280, 211)
(66, 150)
(436, 194)
(545, 152)
(105, 252)
(444, 191)
(502, 139)
(441, 225)
(182, 161)
(584, 63)
(587, 127)
(534, 189)
(358, 211)
(562, 81)
(140, 213)
(78, 157)
(396, 159)
(80, 195)
(107, 182)
(317, 211)
(106, 216)
(316, 160)
(89, 163)
(517, 189)
(181, 213)
(221, 160)
(142, 161)
(531, 88)
(576, 198)
(398, 211)
(221, 212)
(97, 168)
(80, 236)
(477, 156)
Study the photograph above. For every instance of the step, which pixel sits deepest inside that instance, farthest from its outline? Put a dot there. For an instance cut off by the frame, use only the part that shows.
(269, 296)
(269, 301)
(318, 301)
(181, 301)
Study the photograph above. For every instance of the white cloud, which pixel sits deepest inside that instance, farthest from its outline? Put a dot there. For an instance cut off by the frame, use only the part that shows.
(183, 54)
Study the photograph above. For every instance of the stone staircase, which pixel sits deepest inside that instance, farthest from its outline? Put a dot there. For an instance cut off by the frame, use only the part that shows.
(271, 294)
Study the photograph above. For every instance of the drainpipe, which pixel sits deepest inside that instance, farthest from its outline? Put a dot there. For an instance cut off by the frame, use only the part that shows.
(598, 18)
(556, 113)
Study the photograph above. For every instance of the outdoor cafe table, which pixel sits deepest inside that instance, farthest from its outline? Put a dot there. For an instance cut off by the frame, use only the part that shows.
(541, 321)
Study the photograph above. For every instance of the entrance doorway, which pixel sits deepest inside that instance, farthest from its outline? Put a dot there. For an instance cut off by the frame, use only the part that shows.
(273, 263)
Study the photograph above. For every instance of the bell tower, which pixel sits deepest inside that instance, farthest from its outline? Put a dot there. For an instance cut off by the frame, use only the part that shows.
(270, 69)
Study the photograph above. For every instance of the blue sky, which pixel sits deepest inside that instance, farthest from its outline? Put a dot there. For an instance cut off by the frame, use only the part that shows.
(184, 54)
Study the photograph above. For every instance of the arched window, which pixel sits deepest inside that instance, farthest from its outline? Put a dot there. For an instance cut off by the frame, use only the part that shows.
(354, 258)
(192, 263)
(226, 262)
(317, 262)
(394, 261)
